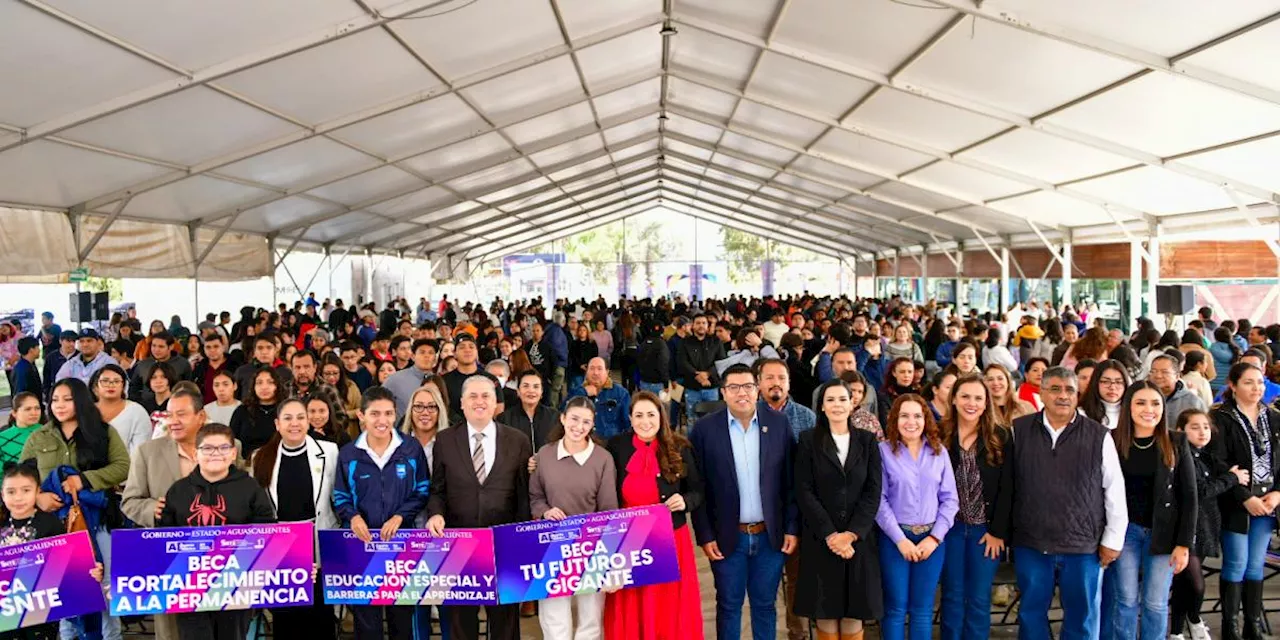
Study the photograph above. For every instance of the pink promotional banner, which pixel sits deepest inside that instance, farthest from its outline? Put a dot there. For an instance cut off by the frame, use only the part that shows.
(412, 568)
(181, 570)
(585, 554)
(47, 580)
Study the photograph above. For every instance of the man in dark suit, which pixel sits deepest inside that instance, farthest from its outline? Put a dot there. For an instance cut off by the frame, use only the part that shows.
(748, 523)
(480, 478)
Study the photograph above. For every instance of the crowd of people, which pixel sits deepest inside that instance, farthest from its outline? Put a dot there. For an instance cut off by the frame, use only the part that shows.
(859, 454)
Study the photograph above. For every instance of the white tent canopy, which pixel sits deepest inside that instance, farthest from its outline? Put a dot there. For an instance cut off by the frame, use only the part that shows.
(195, 133)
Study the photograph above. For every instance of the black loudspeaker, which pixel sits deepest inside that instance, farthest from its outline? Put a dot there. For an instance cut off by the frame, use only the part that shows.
(82, 307)
(101, 306)
(1178, 299)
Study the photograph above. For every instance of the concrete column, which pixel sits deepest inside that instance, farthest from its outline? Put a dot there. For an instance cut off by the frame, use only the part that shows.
(897, 274)
(924, 273)
(1005, 299)
(1153, 280)
(1066, 274)
(1135, 284)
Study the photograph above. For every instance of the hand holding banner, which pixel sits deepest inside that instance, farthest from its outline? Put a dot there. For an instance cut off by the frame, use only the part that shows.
(47, 580)
(412, 568)
(585, 554)
(182, 570)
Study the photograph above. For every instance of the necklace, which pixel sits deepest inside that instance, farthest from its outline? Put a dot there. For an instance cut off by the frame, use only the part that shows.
(1149, 444)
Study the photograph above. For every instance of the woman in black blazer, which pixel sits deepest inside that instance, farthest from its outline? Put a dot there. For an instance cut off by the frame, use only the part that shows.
(975, 438)
(1247, 439)
(655, 465)
(837, 487)
(1160, 493)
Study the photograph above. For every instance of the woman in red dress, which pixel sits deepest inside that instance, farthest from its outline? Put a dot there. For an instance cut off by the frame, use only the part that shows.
(655, 466)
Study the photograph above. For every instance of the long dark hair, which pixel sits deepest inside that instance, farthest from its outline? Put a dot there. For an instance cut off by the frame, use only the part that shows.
(90, 436)
(1233, 377)
(1091, 404)
(18, 399)
(1123, 433)
(670, 443)
(97, 375)
(988, 430)
(263, 464)
(251, 394)
(822, 428)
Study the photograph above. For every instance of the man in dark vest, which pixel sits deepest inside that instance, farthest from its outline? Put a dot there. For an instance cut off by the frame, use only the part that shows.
(1063, 504)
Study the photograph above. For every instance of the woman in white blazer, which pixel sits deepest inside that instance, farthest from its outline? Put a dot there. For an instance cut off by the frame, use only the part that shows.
(298, 473)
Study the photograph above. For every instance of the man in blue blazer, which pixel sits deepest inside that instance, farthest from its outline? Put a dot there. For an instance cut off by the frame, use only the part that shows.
(748, 524)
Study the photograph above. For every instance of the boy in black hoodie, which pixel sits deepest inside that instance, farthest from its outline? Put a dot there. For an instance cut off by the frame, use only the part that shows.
(216, 494)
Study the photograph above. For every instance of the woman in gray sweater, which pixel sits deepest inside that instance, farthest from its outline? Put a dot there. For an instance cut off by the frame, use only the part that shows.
(573, 475)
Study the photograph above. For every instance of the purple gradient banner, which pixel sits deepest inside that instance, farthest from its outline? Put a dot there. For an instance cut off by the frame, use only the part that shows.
(585, 554)
(181, 570)
(47, 580)
(412, 568)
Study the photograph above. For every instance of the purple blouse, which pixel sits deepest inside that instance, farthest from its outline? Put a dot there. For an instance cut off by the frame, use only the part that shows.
(916, 492)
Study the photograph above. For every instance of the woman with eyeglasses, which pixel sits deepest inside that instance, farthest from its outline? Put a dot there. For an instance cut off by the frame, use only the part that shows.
(129, 418)
(1160, 495)
(1247, 438)
(918, 506)
(1103, 398)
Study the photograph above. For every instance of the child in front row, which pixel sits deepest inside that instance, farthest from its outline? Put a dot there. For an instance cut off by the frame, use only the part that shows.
(1213, 479)
(24, 523)
(216, 494)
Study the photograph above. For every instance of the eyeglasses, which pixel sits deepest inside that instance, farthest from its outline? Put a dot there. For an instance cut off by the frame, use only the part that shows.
(423, 408)
(1111, 382)
(740, 388)
(1056, 390)
(110, 382)
(220, 450)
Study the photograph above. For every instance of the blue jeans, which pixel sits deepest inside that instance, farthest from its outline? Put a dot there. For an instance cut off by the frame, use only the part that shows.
(1150, 594)
(909, 589)
(967, 574)
(1078, 577)
(1243, 554)
(754, 570)
(422, 616)
(692, 398)
(652, 387)
(93, 626)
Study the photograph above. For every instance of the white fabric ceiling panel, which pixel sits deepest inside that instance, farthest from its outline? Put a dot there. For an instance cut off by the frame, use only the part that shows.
(701, 99)
(567, 151)
(1051, 208)
(425, 199)
(528, 90)
(1013, 69)
(638, 152)
(422, 126)
(1046, 157)
(872, 34)
(311, 159)
(523, 187)
(992, 220)
(275, 215)
(625, 100)
(711, 55)
(692, 128)
(585, 17)
(447, 161)
(636, 54)
(480, 182)
(1168, 115)
(331, 230)
(747, 16)
(1253, 162)
(482, 225)
(809, 186)
(557, 122)
(803, 202)
(430, 217)
(932, 123)
(879, 206)
(686, 149)
(760, 213)
(798, 82)
(368, 185)
(53, 78)
(340, 78)
(195, 35)
(391, 235)
(833, 172)
(722, 176)
(184, 128)
(587, 196)
(481, 35)
(633, 129)
(954, 178)
(51, 174)
(1165, 28)
(777, 124)
(916, 196)
(756, 148)
(1250, 57)
(744, 166)
(416, 239)
(579, 169)
(1158, 191)
(869, 152)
